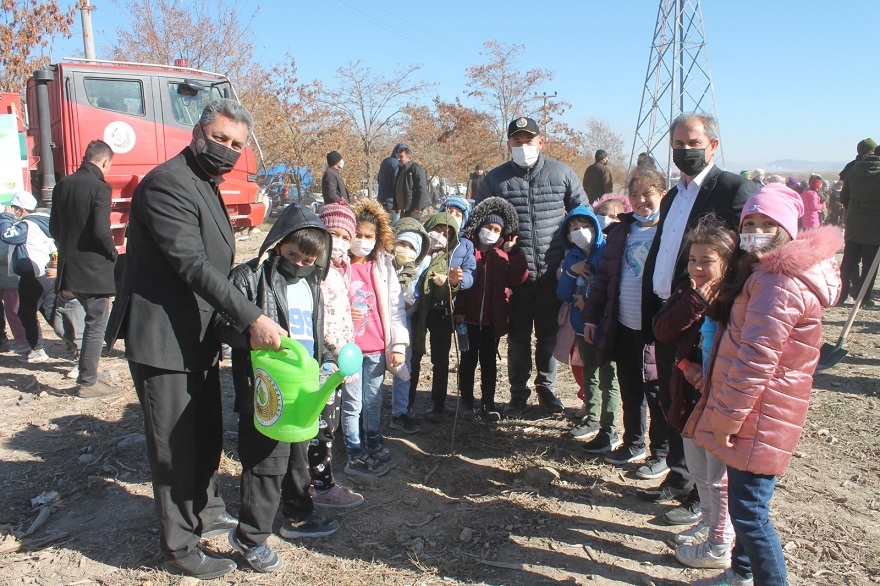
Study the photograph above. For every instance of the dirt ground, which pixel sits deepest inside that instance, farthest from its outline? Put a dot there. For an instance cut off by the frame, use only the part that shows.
(458, 507)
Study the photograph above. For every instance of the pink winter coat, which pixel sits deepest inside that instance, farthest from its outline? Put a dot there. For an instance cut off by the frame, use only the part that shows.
(812, 206)
(761, 374)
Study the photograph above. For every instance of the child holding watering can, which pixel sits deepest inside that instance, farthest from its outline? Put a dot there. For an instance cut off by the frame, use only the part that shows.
(284, 281)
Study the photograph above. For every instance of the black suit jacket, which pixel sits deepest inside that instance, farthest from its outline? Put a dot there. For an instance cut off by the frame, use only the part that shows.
(723, 193)
(80, 225)
(180, 250)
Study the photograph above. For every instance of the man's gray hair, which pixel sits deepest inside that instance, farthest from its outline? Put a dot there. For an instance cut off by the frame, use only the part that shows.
(229, 108)
(710, 125)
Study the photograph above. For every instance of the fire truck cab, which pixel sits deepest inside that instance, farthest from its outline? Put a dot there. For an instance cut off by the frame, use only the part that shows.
(146, 113)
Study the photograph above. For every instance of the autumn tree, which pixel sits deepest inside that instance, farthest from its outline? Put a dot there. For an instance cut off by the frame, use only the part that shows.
(369, 102)
(27, 28)
(506, 91)
(210, 35)
(294, 130)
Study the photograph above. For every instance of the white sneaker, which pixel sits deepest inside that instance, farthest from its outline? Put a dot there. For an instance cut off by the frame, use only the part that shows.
(34, 356)
(704, 555)
(696, 534)
(728, 578)
(73, 374)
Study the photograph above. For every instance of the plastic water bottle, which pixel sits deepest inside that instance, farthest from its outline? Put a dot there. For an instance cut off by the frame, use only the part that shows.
(360, 303)
(461, 330)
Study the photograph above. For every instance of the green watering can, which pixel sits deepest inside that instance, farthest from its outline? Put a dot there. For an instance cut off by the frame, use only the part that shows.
(287, 400)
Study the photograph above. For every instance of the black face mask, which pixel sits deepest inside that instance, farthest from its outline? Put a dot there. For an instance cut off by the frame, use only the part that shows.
(292, 271)
(689, 161)
(215, 158)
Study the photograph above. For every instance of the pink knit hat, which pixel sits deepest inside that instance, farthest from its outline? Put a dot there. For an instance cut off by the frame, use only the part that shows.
(778, 202)
(338, 215)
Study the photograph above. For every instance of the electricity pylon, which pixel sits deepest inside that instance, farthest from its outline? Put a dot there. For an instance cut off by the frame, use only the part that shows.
(678, 79)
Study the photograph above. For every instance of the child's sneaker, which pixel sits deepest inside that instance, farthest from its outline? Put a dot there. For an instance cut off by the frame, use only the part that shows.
(261, 558)
(490, 414)
(603, 443)
(34, 356)
(625, 454)
(337, 497)
(704, 555)
(586, 429)
(695, 534)
(366, 466)
(405, 424)
(316, 525)
(383, 455)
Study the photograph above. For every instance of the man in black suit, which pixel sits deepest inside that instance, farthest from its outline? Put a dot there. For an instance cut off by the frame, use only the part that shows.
(80, 225)
(180, 251)
(702, 189)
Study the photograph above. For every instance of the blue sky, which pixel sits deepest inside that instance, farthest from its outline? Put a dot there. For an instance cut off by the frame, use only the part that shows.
(793, 79)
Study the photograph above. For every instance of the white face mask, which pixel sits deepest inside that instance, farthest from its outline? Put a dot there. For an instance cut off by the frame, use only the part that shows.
(341, 164)
(605, 221)
(403, 255)
(525, 156)
(488, 237)
(755, 241)
(340, 247)
(582, 238)
(361, 247)
(437, 240)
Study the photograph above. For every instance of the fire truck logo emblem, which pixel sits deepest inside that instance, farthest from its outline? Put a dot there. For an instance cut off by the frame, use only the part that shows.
(120, 136)
(268, 401)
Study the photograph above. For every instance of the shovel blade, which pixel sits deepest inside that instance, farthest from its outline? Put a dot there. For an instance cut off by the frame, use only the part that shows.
(830, 356)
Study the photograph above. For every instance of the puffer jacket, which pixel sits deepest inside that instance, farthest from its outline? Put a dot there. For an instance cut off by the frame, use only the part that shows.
(859, 197)
(763, 362)
(602, 305)
(571, 283)
(542, 195)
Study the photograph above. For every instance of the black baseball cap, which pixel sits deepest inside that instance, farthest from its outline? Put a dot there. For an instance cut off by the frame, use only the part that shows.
(523, 125)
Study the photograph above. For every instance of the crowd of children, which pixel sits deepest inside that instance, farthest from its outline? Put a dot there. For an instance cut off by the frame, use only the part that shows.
(745, 323)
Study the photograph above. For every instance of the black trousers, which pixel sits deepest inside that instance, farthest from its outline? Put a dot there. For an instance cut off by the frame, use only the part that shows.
(483, 347)
(272, 472)
(439, 325)
(637, 396)
(183, 421)
(678, 476)
(851, 275)
(35, 294)
(321, 447)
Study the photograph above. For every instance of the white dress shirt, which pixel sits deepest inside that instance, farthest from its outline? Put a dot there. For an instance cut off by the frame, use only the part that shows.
(674, 226)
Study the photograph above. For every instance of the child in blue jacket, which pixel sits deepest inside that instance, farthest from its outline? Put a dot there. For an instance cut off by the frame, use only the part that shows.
(583, 240)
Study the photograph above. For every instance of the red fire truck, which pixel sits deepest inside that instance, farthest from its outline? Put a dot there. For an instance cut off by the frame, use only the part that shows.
(146, 114)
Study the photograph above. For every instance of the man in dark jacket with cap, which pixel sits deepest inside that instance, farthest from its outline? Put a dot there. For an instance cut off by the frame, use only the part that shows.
(542, 190)
(411, 191)
(332, 186)
(387, 179)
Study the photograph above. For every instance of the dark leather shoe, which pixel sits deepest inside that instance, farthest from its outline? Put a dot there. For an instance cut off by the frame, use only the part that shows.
(200, 564)
(688, 513)
(221, 526)
(664, 495)
(550, 402)
(514, 409)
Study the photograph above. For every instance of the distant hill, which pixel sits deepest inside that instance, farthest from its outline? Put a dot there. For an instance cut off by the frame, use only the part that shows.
(802, 166)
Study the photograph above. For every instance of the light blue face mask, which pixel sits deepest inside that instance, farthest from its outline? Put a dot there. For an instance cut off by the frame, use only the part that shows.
(654, 215)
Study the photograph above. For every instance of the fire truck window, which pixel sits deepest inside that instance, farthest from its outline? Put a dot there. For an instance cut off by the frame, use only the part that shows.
(118, 95)
(187, 106)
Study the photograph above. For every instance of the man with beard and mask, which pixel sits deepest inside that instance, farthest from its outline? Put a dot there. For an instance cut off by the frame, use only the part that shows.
(180, 251)
(702, 190)
(542, 191)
